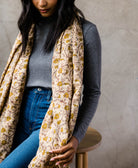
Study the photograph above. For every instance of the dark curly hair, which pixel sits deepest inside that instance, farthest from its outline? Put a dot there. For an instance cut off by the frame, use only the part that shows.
(65, 13)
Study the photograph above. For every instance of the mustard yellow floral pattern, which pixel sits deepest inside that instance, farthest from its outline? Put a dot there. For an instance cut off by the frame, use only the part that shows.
(67, 78)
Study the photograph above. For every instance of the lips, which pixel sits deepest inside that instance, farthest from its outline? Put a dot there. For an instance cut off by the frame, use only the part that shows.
(44, 10)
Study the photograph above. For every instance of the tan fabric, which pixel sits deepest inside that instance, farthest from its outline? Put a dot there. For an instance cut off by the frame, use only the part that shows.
(67, 76)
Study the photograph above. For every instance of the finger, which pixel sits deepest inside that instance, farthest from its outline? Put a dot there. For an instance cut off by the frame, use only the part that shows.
(61, 149)
(67, 163)
(63, 156)
(66, 160)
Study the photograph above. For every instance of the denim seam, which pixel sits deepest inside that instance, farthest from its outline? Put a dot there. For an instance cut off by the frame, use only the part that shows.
(30, 116)
(34, 123)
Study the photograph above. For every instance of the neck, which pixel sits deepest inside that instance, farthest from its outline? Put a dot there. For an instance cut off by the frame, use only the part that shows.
(48, 19)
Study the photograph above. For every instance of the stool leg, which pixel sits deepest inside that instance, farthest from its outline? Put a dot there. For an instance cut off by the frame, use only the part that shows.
(85, 160)
(79, 160)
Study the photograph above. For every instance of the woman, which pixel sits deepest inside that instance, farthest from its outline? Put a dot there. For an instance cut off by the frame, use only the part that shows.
(52, 17)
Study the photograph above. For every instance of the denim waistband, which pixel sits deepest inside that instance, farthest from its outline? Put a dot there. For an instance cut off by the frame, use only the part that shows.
(40, 90)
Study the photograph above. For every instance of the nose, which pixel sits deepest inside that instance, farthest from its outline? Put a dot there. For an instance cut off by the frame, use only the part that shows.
(42, 3)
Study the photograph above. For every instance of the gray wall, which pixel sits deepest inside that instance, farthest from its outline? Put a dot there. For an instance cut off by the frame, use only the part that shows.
(118, 107)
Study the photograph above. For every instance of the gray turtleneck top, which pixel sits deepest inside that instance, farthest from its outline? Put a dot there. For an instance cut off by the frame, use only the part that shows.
(39, 71)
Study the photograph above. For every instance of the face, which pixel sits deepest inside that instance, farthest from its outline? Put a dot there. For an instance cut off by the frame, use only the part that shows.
(45, 7)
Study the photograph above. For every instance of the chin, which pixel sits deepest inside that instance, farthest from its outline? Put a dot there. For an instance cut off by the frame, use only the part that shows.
(45, 15)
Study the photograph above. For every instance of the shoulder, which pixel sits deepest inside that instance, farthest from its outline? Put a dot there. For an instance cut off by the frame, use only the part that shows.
(92, 43)
(90, 32)
(87, 25)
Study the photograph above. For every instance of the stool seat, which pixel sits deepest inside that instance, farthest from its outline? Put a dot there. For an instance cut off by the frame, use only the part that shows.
(91, 141)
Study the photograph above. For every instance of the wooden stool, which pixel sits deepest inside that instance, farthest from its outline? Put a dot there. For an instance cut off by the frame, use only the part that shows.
(91, 140)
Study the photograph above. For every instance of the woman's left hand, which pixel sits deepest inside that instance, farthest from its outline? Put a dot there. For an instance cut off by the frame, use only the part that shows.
(66, 152)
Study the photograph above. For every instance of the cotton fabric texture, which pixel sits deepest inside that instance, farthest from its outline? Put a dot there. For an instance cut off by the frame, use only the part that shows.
(67, 77)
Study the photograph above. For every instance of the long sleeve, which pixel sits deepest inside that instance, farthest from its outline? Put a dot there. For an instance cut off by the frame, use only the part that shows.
(91, 80)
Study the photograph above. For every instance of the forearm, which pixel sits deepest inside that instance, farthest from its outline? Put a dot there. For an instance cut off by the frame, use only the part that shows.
(85, 114)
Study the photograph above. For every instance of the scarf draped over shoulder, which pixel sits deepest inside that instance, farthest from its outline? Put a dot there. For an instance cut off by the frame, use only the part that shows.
(67, 80)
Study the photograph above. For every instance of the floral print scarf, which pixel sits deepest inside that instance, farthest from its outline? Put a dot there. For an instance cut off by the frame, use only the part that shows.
(67, 79)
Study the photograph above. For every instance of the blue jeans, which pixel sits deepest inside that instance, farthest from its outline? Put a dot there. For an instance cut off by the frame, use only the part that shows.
(35, 104)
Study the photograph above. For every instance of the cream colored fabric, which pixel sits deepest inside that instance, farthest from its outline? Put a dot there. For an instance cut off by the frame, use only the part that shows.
(67, 77)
